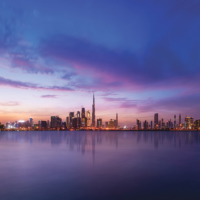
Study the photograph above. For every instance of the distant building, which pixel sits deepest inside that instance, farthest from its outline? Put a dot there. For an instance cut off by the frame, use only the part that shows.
(55, 121)
(197, 124)
(117, 120)
(138, 122)
(71, 116)
(189, 122)
(67, 122)
(174, 121)
(31, 121)
(83, 118)
(163, 124)
(74, 123)
(180, 120)
(151, 125)
(48, 124)
(93, 112)
(106, 124)
(43, 124)
(99, 123)
(156, 120)
(78, 119)
(88, 119)
(145, 125)
(111, 123)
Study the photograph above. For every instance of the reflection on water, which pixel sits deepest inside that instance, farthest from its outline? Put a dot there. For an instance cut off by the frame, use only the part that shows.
(99, 165)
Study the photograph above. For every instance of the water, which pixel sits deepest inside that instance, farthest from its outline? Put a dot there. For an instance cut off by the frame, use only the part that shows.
(99, 165)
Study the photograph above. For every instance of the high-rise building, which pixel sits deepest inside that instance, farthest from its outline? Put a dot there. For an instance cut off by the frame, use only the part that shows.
(197, 124)
(106, 124)
(117, 120)
(145, 125)
(156, 120)
(88, 119)
(31, 121)
(78, 119)
(174, 121)
(189, 122)
(93, 112)
(71, 116)
(55, 121)
(67, 122)
(179, 120)
(43, 124)
(74, 122)
(83, 118)
(138, 122)
(99, 123)
(151, 125)
(48, 124)
(111, 123)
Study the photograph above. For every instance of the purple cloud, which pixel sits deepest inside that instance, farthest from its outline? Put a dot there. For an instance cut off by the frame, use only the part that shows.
(159, 67)
(26, 85)
(49, 96)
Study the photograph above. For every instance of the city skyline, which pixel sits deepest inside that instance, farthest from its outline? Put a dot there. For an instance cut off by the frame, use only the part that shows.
(81, 120)
(138, 58)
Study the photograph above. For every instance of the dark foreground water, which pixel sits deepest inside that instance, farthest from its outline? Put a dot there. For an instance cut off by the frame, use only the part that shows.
(99, 165)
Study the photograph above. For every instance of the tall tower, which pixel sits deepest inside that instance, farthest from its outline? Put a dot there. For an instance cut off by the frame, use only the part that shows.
(155, 120)
(93, 112)
(179, 120)
(174, 121)
(116, 119)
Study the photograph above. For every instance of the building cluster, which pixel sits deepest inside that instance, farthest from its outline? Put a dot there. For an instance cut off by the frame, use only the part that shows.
(83, 121)
(189, 123)
(75, 121)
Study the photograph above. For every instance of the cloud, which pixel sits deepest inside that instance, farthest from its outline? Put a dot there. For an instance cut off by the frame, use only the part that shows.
(49, 96)
(159, 67)
(27, 85)
(9, 103)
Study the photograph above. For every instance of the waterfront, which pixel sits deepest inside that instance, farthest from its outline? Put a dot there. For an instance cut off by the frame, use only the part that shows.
(99, 165)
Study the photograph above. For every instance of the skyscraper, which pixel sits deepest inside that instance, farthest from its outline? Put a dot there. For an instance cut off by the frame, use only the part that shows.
(93, 112)
(88, 119)
(179, 120)
(145, 125)
(116, 119)
(83, 118)
(78, 119)
(99, 123)
(155, 120)
(71, 116)
(174, 121)
(55, 121)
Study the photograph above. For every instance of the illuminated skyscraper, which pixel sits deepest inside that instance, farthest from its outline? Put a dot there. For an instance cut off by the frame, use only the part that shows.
(93, 112)
(83, 118)
(78, 119)
(71, 116)
(88, 119)
(156, 120)
(55, 121)
(31, 121)
(99, 123)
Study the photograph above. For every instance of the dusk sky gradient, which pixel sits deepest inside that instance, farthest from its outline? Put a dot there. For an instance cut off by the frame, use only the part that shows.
(138, 56)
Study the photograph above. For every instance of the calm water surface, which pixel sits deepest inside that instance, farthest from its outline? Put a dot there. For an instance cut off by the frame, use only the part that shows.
(99, 165)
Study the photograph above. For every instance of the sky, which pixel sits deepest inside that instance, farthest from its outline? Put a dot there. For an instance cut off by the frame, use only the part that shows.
(139, 57)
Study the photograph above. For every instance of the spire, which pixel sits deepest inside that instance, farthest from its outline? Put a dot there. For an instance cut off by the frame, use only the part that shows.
(93, 98)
